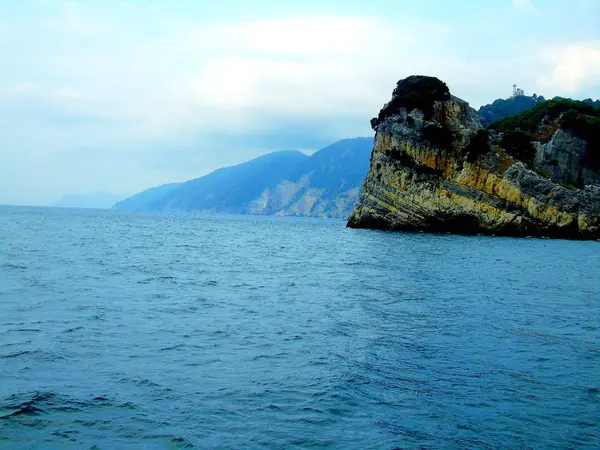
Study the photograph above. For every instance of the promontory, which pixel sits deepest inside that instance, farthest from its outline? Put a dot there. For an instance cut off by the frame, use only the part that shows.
(437, 167)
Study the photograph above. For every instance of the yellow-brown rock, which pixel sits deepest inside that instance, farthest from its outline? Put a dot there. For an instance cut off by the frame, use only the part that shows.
(425, 176)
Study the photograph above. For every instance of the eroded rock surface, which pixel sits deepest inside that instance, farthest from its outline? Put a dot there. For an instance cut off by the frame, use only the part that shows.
(426, 175)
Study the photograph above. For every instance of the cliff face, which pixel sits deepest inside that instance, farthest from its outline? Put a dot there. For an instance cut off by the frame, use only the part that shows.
(562, 154)
(433, 169)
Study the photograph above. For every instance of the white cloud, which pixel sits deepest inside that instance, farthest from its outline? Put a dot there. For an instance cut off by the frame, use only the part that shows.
(230, 76)
(242, 75)
(23, 90)
(571, 67)
(90, 81)
(522, 4)
(298, 37)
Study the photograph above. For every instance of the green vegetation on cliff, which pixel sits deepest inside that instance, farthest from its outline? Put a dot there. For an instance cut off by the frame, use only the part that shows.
(478, 146)
(579, 117)
(587, 127)
(589, 101)
(529, 120)
(518, 145)
(509, 107)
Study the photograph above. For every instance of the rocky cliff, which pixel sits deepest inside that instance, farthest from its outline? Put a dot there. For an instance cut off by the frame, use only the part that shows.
(565, 135)
(433, 168)
(563, 156)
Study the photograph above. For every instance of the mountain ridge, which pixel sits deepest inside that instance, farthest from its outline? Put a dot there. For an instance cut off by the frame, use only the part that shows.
(288, 182)
(94, 200)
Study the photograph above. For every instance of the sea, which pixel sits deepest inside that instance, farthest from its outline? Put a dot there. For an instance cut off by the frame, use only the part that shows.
(166, 331)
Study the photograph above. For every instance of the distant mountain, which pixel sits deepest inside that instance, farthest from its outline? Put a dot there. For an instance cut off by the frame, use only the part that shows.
(503, 108)
(139, 201)
(96, 200)
(286, 183)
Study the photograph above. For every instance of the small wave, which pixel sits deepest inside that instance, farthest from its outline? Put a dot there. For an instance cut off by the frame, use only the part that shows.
(255, 288)
(23, 330)
(71, 330)
(277, 356)
(273, 407)
(187, 246)
(127, 405)
(219, 333)
(400, 430)
(294, 338)
(319, 362)
(64, 433)
(25, 404)
(172, 347)
(312, 410)
(26, 410)
(15, 266)
(100, 400)
(177, 441)
(21, 353)
(96, 423)
(140, 382)
(13, 344)
(160, 279)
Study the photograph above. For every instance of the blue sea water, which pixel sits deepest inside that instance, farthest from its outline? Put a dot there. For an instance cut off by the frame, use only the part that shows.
(122, 330)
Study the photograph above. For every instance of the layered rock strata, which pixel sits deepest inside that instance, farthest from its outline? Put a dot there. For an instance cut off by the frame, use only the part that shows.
(431, 170)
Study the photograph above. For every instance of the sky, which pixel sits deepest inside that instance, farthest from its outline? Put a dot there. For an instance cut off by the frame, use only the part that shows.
(122, 95)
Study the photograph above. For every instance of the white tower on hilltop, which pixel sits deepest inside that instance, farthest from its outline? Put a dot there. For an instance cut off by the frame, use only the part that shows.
(517, 92)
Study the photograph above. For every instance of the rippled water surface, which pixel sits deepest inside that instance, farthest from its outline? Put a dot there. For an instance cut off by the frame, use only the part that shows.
(173, 331)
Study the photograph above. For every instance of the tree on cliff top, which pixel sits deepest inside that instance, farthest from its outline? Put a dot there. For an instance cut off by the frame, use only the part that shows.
(529, 121)
(414, 92)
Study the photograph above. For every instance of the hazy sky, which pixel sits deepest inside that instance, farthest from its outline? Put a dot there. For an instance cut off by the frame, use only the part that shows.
(120, 95)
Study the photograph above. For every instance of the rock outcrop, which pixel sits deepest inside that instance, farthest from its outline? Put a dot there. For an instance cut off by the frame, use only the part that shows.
(433, 169)
(561, 154)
